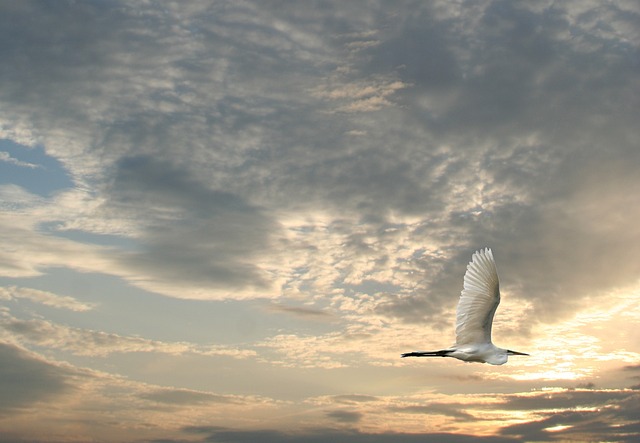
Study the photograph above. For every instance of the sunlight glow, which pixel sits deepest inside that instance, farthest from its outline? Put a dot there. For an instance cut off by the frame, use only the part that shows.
(557, 428)
(574, 349)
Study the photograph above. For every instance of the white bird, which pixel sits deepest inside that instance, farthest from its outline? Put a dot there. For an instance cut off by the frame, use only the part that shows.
(474, 316)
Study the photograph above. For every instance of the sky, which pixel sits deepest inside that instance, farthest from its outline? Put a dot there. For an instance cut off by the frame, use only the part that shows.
(225, 221)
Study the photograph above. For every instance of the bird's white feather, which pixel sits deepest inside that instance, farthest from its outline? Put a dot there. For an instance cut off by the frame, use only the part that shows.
(478, 300)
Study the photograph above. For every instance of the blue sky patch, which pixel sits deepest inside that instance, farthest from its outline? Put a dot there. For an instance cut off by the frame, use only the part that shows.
(32, 169)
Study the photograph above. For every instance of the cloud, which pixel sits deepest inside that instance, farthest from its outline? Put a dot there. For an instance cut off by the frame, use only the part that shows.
(44, 297)
(435, 409)
(563, 399)
(26, 379)
(30, 252)
(15, 197)
(83, 397)
(499, 110)
(7, 158)
(362, 98)
(323, 435)
(633, 369)
(101, 344)
(544, 162)
(343, 416)
(595, 413)
(352, 398)
(302, 312)
(194, 236)
(186, 397)
(614, 420)
(489, 147)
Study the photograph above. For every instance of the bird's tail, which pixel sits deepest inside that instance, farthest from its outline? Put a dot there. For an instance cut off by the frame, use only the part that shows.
(442, 353)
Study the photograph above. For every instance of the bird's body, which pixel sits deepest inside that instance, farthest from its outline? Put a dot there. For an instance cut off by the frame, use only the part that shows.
(478, 303)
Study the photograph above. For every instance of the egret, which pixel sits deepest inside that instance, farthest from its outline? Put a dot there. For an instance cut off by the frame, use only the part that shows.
(478, 302)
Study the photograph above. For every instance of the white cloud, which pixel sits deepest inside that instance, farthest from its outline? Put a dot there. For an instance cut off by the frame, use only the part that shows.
(44, 297)
(89, 342)
(15, 198)
(361, 97)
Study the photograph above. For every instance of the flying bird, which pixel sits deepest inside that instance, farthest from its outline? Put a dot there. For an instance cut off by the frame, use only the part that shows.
(478, 302)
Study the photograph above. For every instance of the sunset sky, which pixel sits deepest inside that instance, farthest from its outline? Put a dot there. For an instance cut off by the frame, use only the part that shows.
(224, 221)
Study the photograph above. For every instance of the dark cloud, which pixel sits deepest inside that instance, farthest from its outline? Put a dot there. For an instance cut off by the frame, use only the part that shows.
(26, 379)
(563, 400)
(343, 416)
(436, 409)
(302, 312)
(522, 75)
(180, 397)
(193, 235)
(216, 434)
(610, 415)
(55, 45)
(632, 367)
(616, 421)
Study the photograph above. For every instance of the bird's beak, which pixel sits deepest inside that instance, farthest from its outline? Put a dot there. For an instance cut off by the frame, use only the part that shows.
(515, 353)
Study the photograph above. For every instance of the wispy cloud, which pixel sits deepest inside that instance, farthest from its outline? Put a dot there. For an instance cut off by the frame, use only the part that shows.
(302, 312)
(7, 158)
(88, 342)
(178, 397)
(44, 297)
(361, 97)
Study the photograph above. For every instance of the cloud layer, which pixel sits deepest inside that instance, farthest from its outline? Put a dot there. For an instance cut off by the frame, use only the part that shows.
(300, 188)
(414, 134)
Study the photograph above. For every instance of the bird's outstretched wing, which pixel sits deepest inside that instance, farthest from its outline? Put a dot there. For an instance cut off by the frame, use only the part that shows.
(478, 300)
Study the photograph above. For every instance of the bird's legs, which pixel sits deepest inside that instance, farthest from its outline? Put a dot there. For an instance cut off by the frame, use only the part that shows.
(442, 353)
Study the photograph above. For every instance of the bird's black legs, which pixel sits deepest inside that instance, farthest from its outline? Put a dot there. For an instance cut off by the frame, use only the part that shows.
(443, 353)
